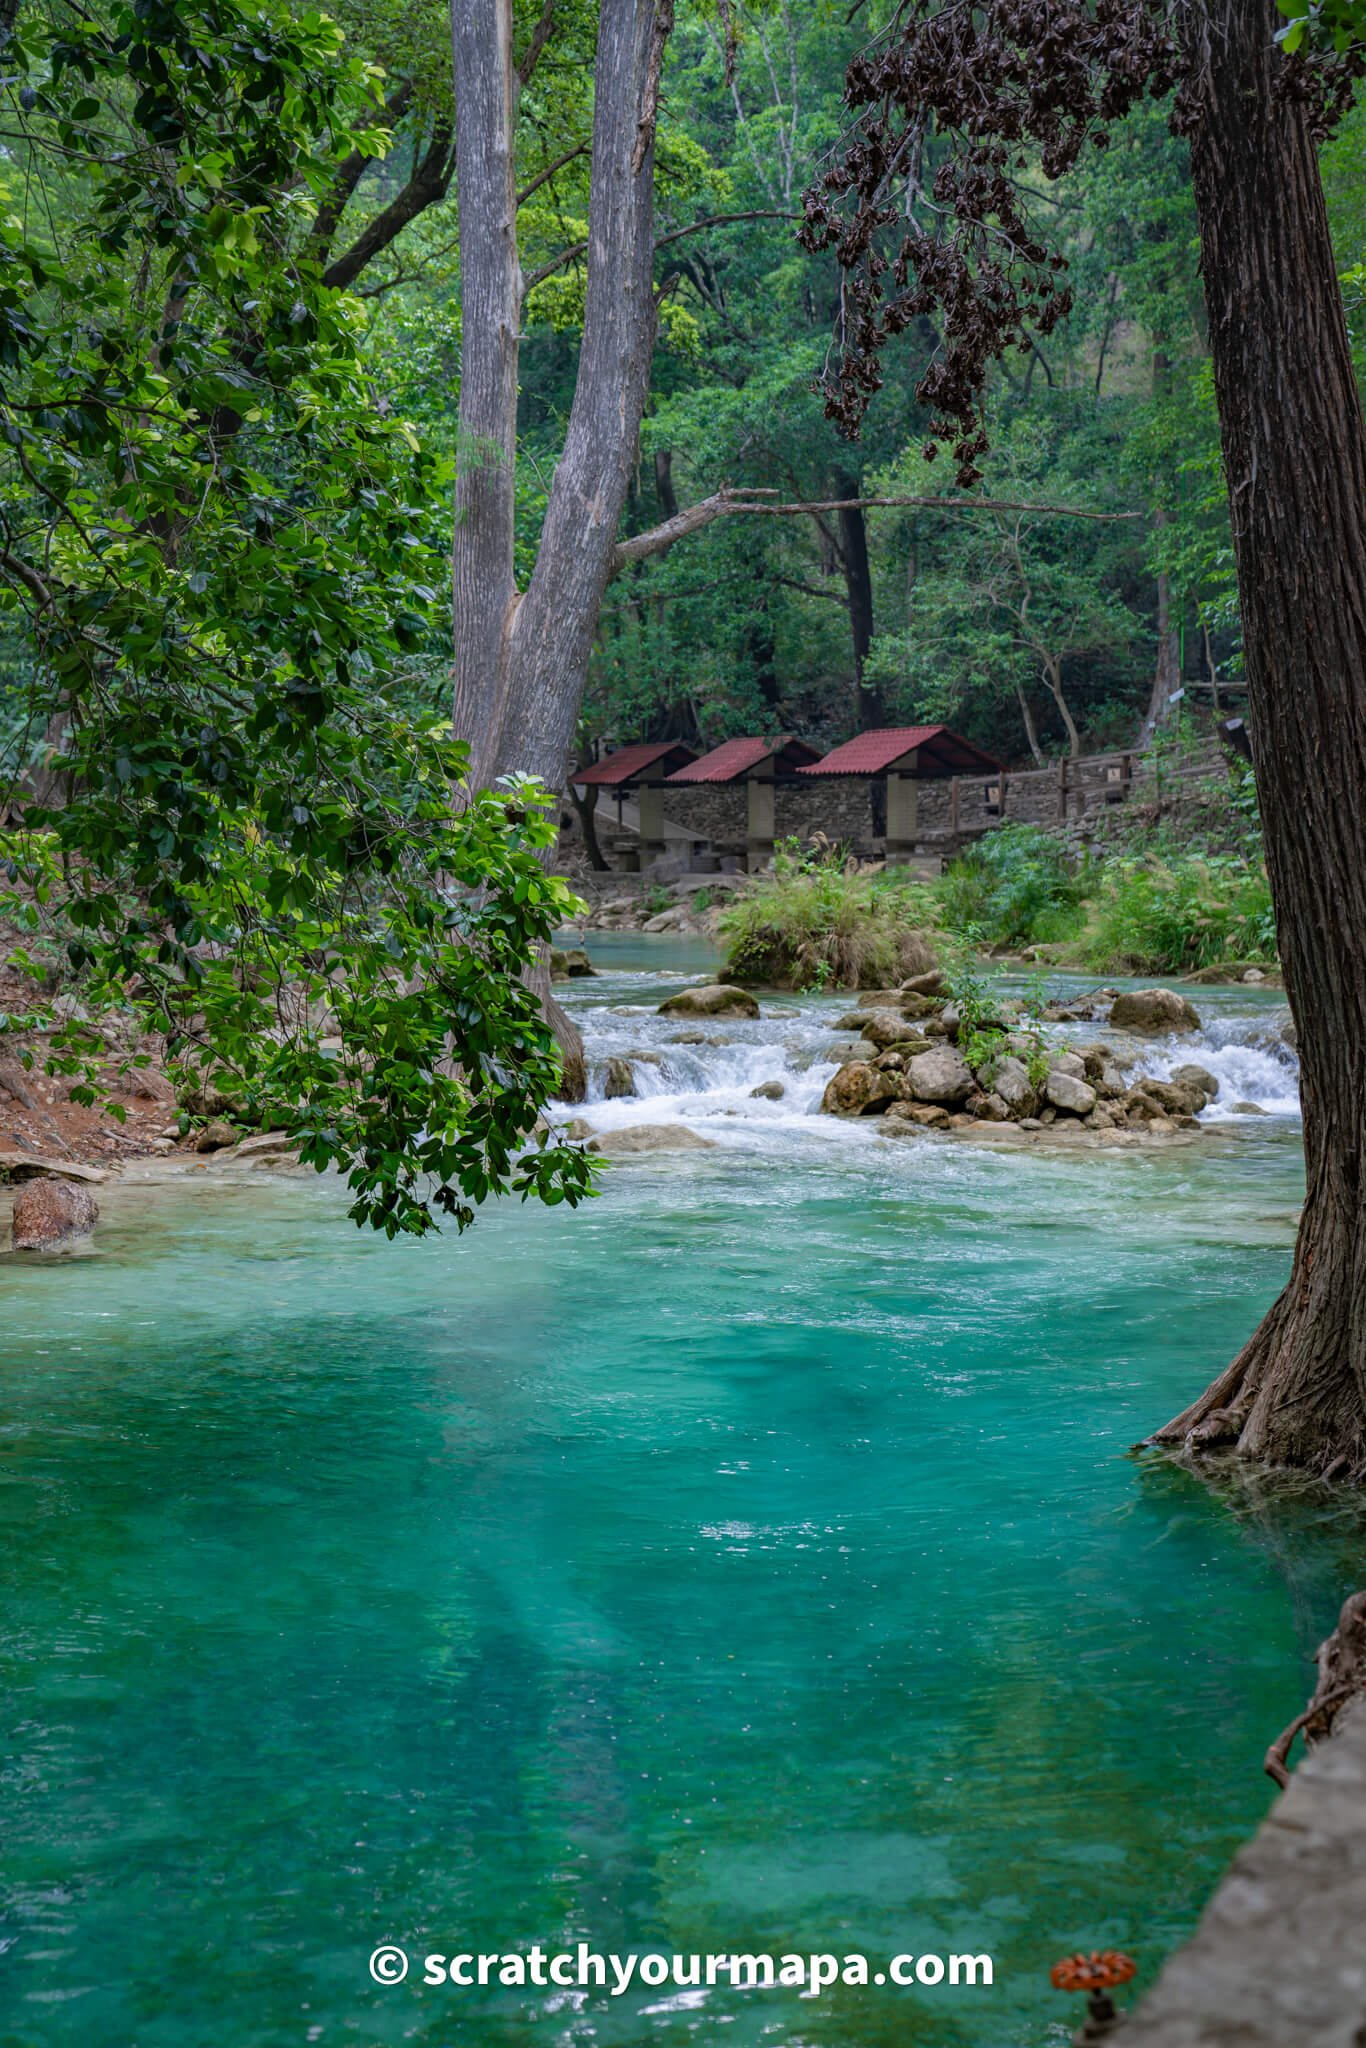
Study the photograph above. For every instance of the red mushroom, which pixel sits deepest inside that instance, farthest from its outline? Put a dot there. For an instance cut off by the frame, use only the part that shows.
(1096, 1974)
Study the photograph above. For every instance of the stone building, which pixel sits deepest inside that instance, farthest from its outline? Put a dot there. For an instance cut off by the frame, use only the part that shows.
(868, 791)
(733, 795)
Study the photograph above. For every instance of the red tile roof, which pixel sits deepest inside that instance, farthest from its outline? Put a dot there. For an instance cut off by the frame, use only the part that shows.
(628, 764)
(734, 758)
(873, 753)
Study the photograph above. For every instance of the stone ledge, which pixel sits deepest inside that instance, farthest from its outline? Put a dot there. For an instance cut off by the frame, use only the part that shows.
(1279, 1957)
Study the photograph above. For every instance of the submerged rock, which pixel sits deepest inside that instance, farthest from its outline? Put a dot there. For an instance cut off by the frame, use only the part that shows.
(714, 999)
(52, 1212)
(1153, 1010)
(652, 1138)
(768, 1091)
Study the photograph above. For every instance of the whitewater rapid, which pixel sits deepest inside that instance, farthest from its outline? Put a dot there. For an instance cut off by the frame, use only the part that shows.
(703, 1072)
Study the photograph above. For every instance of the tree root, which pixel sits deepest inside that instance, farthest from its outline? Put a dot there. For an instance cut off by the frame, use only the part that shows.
(1342, 1676)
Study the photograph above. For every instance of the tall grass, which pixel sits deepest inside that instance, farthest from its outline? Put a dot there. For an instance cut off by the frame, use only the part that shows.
(817, 922)
(1178, 914)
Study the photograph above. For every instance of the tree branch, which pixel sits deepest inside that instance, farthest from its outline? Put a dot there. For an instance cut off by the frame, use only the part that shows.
(429, 182)
(540, 36)
(350, 172)
(714, 220)
(727, 501)
(544, 177)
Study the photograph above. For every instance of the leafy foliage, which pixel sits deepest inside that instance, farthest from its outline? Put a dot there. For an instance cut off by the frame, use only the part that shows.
(217, 538)
(821, 923)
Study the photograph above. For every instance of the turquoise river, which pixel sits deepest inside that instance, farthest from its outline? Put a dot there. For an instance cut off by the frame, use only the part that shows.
(752, 1561)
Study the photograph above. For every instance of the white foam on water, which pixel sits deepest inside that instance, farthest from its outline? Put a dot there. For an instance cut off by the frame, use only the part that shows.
(1246, 1058)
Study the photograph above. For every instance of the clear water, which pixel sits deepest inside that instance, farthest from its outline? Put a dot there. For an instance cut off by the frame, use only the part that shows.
(751, 1561)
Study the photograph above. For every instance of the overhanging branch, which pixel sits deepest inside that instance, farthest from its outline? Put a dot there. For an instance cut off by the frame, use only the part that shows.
(726, 502)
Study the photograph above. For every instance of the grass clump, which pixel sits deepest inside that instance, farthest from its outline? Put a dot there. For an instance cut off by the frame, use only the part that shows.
(821, 922)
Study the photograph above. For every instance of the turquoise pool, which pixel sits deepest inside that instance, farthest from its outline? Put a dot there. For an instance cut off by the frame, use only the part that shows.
(751, 1561)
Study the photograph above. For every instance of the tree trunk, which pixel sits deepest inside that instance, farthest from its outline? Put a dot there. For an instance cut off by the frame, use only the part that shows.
(1167, 673)
(1052, 676)
(858, 582)
(1031, 730)
(586, 807)
(1295, 454)
(521, 658)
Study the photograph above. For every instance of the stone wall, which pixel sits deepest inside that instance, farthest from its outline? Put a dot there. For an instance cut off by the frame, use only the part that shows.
(716, 810)
(1279, 1958)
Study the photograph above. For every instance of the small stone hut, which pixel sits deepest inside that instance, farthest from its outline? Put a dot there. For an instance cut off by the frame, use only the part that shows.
(731, 795)
(869, 790)
(637, 774)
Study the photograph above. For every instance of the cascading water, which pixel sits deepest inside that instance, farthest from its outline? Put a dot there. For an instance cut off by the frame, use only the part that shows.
(703, 1072)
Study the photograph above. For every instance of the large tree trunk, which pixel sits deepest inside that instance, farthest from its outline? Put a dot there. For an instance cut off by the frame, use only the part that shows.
(1295, 454)
(521, 658)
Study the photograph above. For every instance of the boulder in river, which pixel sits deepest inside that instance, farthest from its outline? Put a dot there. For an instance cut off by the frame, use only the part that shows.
(929, 1115)
(618, 1080)
(1010, 1082)
(941, 1075)
(860, 1090)
(52, 1212)
(1153, 1010)
(1197, 1081)
(215, 1137)
(652, 1138)
(37, 1166)
(768, 1091)
(714, 999)
(1065, 1091)
(570, 963)
(883, 1028)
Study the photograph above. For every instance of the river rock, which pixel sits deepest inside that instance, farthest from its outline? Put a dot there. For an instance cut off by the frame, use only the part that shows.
(667, 920)
(882, 1029)
(569, 964)
(52, 1212)
(940, 1075)
(768, 1091)
(1153, 1010)
(1248, 1109)
(37, 1166)
(927, 1114)
(860, 1090)
(931, 984)
(618, 1079)
(714, 999)
(1010, 1082)
(1066, 1091)
(1067, 1062)
(1198, 1080)
(652, 1138)
(215, 1137)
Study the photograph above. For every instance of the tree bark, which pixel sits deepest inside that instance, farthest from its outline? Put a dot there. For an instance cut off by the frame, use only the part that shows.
(521, 658)
(1294, 449)
(1051, 671)
(1167, 673)
(858, 582)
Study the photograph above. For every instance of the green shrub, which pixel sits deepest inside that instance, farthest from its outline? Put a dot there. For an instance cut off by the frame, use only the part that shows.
(1178, 914)
(1014, 887)
(814, 925)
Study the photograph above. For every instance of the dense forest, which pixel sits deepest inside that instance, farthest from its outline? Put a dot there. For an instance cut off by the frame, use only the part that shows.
(1033, 630)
